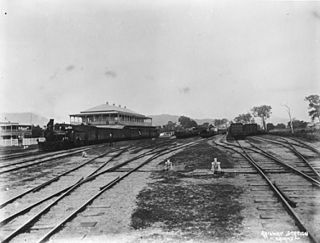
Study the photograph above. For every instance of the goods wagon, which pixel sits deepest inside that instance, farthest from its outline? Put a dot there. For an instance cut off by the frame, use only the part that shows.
(240, 131)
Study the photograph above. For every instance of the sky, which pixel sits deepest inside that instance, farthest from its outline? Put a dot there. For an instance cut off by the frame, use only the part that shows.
(202, 59)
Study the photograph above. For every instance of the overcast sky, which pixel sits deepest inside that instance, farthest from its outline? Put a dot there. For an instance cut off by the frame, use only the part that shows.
(203, 59)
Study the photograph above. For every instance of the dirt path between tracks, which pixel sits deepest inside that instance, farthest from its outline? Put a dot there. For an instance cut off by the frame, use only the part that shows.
(189, 201)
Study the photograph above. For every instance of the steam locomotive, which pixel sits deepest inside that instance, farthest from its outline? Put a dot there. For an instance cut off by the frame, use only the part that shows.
(64, 136)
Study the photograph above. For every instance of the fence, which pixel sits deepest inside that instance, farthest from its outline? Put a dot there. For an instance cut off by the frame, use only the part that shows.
(25, 141)
(9, 142)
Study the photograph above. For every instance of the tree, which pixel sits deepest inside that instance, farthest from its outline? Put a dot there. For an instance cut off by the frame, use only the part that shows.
(290, 118)
(205, 126)
(186, 122)
(263, 112)
(280, 126)
(314, 106)
(270, 126)
(244, 118)
(171, 126)
(220, 122)
(298, 124)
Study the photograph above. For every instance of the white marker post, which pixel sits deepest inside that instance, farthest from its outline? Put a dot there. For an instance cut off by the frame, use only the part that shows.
(171, 166)
(219, 168)
(215, 166)
(166, 164)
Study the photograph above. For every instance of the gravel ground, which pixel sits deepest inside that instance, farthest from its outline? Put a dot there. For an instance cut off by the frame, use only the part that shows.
(186, 204)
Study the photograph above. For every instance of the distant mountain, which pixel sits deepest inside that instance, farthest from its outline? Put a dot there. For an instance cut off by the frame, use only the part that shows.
(25, 118)
(201, 121)
(160, 120)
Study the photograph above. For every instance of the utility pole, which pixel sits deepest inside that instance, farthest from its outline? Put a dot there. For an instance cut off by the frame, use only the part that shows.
(289, 113)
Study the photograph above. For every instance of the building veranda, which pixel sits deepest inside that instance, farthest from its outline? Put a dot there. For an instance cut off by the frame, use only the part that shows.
(107, 115)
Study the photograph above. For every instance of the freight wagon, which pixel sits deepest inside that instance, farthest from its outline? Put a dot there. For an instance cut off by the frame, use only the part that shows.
(240, 131)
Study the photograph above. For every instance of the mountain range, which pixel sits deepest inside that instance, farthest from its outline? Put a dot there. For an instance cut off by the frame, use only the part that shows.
(163, 119)
(25, 118)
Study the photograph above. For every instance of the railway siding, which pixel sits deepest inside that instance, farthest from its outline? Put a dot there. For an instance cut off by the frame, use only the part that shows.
(287, 182)
(185, 203)
(79, 194)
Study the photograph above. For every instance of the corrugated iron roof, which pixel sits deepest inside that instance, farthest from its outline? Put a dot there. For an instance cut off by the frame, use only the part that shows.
(111, 126)
(106, 108)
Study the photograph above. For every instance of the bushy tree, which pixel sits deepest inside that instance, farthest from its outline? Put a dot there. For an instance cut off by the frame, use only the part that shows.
(170, 126)
(314, 106)
(270, 126)
(244, 118)
(298, 124)
(205, 126)
(220, 122)
(186, 122)
(264, 112)
(280, 126)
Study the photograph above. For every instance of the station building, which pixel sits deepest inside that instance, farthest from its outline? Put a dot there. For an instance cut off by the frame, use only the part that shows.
(13, 133)
(107, 115)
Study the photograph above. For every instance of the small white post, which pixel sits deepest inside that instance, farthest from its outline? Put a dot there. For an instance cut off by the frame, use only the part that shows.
(166, 165)
(219, 168)
(216, 166)
(213, 165)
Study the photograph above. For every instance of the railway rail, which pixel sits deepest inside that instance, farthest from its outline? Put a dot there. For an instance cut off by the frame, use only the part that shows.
(297, 191)
(296, 142)
(92, 186)
(10, 166)
(295, 147)
(16, 155)
(132, 149)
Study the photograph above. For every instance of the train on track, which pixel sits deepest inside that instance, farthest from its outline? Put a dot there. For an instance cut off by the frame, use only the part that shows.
(187, 133)
(207, 133)
(64, 136)
(241, 131)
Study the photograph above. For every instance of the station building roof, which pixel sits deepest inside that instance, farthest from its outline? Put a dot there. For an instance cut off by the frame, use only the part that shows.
(109, 109)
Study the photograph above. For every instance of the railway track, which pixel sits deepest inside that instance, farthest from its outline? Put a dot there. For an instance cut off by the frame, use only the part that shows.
(10, 166)
(60, 171)
(298, 192)
(295, 142)
(10, 156)
(312, 168)
(77, 195)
